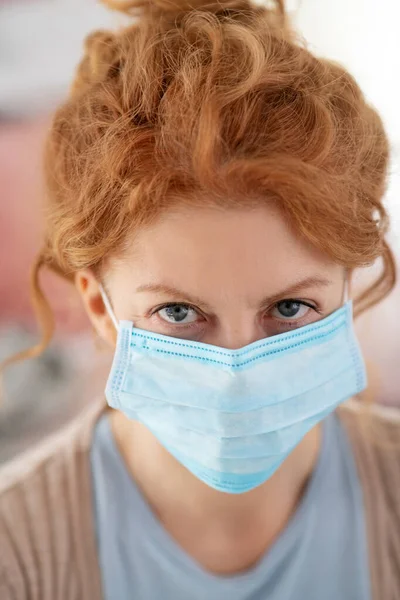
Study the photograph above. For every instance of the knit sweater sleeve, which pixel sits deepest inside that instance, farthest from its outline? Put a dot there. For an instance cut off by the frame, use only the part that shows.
(375, 436)
(37, 558)
(47, 537)
(47, 540)
(18, 575)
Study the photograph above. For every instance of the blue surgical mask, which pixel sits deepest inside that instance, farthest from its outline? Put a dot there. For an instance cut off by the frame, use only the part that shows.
(231, 417)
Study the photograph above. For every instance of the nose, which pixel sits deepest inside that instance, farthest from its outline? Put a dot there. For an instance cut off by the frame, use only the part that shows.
(234, 337)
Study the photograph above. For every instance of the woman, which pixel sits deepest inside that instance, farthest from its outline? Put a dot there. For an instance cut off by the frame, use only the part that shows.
(211, 188)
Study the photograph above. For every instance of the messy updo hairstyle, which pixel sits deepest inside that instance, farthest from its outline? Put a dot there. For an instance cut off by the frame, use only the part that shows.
(218, 103)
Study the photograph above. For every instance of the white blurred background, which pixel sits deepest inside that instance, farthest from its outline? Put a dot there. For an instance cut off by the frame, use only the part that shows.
(40, 44)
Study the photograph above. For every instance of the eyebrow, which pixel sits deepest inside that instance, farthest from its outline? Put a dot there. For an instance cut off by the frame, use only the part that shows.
(160, 288)
(295, 288)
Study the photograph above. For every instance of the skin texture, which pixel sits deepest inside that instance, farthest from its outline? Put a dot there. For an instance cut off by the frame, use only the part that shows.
(233, 266)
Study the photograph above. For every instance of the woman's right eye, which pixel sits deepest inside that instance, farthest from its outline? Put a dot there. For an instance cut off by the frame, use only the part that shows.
(178, 314)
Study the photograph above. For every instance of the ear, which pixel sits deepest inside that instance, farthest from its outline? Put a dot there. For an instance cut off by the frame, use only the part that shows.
(88, 287)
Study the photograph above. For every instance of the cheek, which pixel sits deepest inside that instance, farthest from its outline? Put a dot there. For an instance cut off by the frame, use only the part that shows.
(334, 300)
(276, 326)
(122, 297)
(343, 293)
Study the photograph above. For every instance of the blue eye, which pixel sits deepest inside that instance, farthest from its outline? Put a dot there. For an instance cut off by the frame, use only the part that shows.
(290, 309)
(178, 314)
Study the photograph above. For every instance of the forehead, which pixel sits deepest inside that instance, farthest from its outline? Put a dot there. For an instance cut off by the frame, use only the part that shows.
(223, 249)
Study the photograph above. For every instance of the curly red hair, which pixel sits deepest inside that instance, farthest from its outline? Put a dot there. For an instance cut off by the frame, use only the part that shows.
(211, 103)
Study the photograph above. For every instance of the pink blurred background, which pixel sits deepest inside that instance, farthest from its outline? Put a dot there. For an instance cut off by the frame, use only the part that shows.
(41, 42)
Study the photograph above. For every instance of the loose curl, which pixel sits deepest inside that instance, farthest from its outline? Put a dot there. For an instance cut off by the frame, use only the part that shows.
(211, 103)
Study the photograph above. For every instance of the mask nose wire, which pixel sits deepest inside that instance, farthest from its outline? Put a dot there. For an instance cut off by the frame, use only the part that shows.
(108, 306)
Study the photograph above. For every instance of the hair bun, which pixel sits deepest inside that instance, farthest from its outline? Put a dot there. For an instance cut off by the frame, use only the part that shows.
(171, 9)
(101, 53)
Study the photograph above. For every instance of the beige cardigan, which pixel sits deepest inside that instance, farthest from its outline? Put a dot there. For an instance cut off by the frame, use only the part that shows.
(47, 536)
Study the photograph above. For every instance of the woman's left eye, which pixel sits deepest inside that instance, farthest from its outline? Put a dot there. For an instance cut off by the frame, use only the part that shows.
(290, 309)
(178, 314)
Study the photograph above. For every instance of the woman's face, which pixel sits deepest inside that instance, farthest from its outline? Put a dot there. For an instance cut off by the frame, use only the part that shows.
(224, 277)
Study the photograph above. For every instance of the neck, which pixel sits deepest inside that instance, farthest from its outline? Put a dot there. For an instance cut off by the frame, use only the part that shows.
(225, 532)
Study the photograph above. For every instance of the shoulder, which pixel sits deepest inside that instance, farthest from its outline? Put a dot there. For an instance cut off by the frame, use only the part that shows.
(374, 432)
(44, 459)
(43, 492)
(382, 412)
(377, 421)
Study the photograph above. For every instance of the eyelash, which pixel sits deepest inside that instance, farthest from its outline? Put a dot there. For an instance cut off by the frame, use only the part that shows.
(286, 322)
(182, 326)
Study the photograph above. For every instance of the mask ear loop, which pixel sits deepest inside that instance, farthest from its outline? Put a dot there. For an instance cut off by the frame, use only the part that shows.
(108, 306)
(346, 291)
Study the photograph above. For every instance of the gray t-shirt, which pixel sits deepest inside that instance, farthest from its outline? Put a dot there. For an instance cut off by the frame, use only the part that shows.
(322, 552)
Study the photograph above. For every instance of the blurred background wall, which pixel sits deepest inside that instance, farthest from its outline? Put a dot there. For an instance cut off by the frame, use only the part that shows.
(40, 44)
